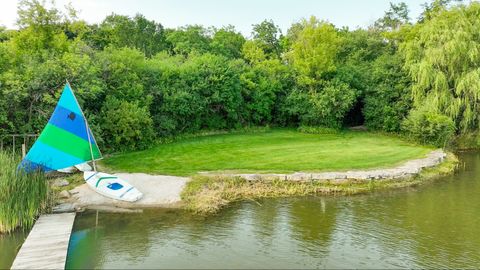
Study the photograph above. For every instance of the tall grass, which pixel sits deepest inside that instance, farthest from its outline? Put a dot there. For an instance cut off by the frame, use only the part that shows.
(208, 194)
(23, 196)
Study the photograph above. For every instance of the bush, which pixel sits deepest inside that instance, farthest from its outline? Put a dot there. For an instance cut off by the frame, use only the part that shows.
(384, 113)
(265, 86)
(429, 127)
(325, 106)
(203, 92)
(125, 125)
(468, 140)
(23, 196)
(387, 100)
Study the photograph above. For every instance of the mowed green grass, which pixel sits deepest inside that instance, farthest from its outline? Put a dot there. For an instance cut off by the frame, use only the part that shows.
(273, 151)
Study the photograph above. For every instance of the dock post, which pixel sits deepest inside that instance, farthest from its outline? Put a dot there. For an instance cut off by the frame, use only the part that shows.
(23, 150)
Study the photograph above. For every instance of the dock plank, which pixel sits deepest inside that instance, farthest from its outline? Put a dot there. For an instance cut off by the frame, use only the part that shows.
(47, 244)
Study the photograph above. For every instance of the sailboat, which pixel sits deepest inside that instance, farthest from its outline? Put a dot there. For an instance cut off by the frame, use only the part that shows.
(67, 141)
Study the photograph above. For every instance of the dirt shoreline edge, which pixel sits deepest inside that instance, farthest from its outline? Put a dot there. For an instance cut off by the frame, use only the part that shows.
(208, 192)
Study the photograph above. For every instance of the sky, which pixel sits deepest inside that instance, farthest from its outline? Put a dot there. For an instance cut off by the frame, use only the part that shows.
(239, 13)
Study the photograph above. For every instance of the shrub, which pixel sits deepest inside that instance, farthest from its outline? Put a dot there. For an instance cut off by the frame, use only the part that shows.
(429, 127)
(325, 106)
(468, 140)
(384, 113)
(265, 86)
(204, 92)
(125, 125)
(388, 99)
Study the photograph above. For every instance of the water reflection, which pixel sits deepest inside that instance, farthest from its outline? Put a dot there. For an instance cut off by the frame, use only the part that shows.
(436, 225)
(312, 222)
(9, 246)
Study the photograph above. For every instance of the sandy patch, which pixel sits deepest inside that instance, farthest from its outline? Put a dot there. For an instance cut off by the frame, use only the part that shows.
(158, 191)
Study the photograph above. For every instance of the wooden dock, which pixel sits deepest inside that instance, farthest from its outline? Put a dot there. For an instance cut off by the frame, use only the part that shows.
(47, 244)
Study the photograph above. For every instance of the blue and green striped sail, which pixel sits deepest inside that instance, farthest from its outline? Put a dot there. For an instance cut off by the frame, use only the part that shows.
(64, 142)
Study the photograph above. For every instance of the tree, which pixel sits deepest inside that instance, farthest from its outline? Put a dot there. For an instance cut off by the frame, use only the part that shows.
(122, 31)
(396, 16)
(149, 36)
(267, 34)
(228, 42)
(125, 125)
(388, 96)
(122, 72)
(265, 87)
(252, 52)
(291, 36)
(4, 34)
(442, 61)
(314, 52)
(41, 28)
(188, 39)
(319, 99)
(325, 106)
(204, 91)
(435, 7)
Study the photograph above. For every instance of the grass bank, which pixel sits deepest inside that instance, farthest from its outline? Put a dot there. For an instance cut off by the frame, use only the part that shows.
(271, 151)
(208, 194)
(22, 196)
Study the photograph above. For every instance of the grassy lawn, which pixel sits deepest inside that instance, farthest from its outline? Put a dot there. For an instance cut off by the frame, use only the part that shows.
(276, 150)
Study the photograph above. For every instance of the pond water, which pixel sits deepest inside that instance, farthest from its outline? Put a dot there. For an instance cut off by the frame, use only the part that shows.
(433, 226)
(436, 225)
(9, 246)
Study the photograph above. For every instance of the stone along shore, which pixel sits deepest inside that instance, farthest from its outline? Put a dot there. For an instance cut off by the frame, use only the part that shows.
(407, 169)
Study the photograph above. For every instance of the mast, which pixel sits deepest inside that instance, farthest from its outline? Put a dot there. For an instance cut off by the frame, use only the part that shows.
(87, 129)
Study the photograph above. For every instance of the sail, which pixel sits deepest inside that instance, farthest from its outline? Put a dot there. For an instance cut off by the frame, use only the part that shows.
(65, 141)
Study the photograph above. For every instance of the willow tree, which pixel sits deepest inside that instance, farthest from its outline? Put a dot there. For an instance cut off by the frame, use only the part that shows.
(442, 57)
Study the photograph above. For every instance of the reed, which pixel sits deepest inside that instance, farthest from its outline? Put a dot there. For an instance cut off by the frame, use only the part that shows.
(209, 194)
(23, 196)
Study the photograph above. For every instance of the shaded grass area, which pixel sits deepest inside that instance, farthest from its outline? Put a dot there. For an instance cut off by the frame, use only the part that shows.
(23, 196)
(208, 194)
(272, 151)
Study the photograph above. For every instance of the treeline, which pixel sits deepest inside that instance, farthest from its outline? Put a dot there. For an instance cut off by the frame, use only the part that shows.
(138, 81)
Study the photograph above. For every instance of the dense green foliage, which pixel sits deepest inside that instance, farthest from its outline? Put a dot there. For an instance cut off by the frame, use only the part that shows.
(442, 59)
(138, 81)
(22, 196)
(270, 151)
(429, 127)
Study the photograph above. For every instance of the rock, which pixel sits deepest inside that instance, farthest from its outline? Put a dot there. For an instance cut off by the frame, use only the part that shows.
(64, 208)
(249, 177)
(64, 194)
(60, 183)
(329, 176)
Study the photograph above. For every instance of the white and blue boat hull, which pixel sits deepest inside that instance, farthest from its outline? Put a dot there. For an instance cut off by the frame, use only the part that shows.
(112, 186)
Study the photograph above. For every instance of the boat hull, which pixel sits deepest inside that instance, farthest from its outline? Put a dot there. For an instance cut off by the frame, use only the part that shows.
(112, 186)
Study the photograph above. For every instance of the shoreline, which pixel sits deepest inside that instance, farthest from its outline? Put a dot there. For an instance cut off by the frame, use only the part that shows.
(406, 169)
(208, 192)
